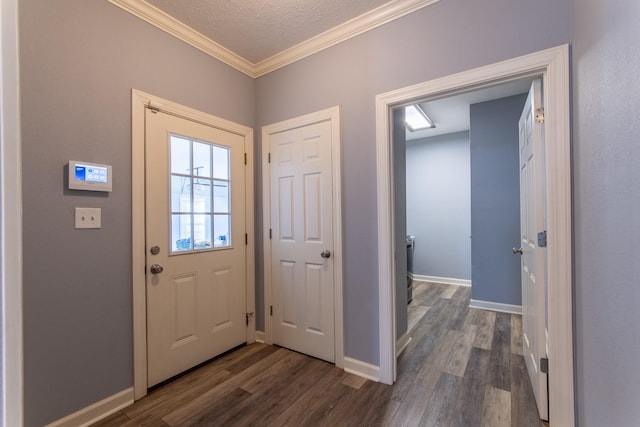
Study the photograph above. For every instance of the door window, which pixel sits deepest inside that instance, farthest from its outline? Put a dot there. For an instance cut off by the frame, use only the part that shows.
(200, 196)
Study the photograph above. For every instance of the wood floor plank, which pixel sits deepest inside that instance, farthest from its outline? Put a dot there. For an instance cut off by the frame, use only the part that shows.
(516, 334)
(439, 411)
(290, 363)
(419, 289)
(457, 363)
(414, 314)
(460, 366)
(354, 381)
(212, 414)
(283, 391)
(485, 321)
(497, 408)
(333, 407)
(524, 411)
(499, 371)
(118, 419)
(174, 394)
(426, 380)
(204, 402)
(153, 407)
(460, 310)
(448, 292)
(309, 400)
(470, 401)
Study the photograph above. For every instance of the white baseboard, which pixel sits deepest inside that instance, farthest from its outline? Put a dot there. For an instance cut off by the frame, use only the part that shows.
(97, 411)
(362, 369)
(443, 280)
(260, 336)
(402, 343)
(496, 306)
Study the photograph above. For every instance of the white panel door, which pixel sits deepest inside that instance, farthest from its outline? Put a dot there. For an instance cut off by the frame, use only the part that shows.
(302, 242)
(532, 221)
(195, 243)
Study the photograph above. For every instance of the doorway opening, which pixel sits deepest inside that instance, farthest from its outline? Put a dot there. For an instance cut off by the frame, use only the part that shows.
(552, 66)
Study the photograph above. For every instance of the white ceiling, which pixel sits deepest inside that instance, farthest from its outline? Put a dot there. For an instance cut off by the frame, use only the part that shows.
(259, 29)
(451, 113)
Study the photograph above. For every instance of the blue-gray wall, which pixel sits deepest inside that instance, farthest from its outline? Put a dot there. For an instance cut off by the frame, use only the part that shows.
(400, 219)
(495, 200)
(439, 205)
(606, 186)
(352, 73)
(79, 61)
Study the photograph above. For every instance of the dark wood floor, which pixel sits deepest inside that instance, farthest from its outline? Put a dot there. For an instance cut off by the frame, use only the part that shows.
(463, 367)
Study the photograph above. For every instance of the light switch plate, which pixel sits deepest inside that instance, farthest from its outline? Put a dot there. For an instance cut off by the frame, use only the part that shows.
(88, 217)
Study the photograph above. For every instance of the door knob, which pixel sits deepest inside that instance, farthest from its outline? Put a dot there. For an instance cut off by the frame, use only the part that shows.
(517, 251)
(325, 254)
(156, 269)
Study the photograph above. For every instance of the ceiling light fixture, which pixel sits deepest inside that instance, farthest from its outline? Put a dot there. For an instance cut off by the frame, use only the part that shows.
(416, 119)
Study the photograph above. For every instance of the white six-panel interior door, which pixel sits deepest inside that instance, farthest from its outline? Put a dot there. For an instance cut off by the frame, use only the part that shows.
(302, 248)
(532, 222)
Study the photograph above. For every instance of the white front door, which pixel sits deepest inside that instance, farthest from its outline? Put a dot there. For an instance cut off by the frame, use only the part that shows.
(195, 243)
(532, 222)
(302, 246)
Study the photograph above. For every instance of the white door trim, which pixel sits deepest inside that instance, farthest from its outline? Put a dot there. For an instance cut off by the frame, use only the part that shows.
(332, 115)
(139, 101)
(553, 65)
(11, 220)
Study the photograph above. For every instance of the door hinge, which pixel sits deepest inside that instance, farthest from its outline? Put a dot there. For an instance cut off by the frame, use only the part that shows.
(269, 158)
(540, 116)
(246, 239)
(270, 310)
(248, 316)
(245, 158)
(154, 106)
(542, 239)
(270, 234)
(544, 365)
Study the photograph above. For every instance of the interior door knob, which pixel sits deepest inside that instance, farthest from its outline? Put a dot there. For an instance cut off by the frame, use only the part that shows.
(325, 254)
(517, 251)
(156, 269)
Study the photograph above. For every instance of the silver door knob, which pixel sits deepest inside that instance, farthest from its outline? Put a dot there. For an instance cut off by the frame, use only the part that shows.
(325, 254)
(517, 251)
(156, 269)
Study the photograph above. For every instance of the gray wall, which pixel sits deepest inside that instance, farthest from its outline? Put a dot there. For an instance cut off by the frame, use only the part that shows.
(81, 58)
(439, 205)
(400, 219)
(606, 100)
(79, 61)
(352, 73)
(495, 200)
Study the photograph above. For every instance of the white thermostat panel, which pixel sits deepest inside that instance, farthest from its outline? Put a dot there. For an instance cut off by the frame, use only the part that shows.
(89, 176)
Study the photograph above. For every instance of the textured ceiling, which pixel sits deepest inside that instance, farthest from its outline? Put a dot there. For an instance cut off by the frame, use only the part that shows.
(259, 29)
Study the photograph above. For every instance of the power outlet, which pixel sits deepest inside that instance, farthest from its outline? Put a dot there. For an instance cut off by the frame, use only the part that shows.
(88, 217)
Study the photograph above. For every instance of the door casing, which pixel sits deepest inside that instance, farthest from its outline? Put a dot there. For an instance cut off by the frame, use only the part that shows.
(333, 115)
(553, 66)
(140, 101)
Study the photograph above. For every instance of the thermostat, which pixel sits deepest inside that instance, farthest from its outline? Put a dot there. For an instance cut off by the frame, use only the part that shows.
(89, 176)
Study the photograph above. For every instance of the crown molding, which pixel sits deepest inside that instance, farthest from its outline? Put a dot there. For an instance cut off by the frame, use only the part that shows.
(169, 24)
(374, 18)
(356, 26)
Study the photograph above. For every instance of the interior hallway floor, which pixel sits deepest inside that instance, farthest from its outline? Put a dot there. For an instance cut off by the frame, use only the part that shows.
(463, 367)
